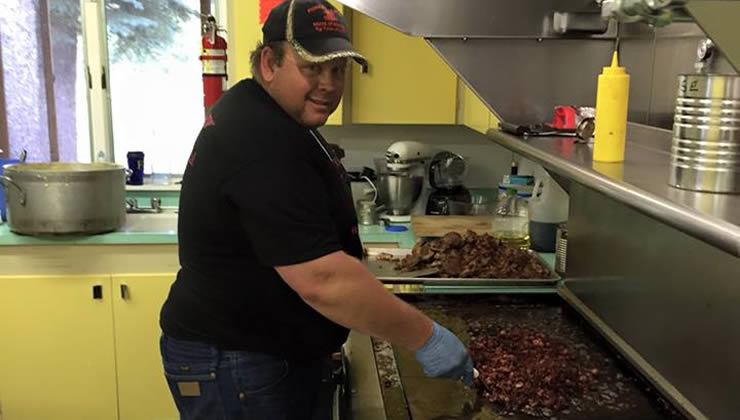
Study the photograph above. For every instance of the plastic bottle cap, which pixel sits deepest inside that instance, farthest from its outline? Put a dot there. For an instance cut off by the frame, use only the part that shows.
(614, 69)
(392, 228)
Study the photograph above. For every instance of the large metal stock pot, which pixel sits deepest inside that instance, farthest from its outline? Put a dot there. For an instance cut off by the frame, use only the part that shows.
(65, 198)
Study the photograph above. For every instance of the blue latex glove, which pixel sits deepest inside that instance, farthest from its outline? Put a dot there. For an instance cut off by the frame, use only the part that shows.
(444, 356)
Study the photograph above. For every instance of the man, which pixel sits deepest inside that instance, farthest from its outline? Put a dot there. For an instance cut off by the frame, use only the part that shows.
(270, 279)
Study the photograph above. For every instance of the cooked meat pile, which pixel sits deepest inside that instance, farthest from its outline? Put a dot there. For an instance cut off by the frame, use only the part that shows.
(529, 372)
(384, 256)
(473, 256)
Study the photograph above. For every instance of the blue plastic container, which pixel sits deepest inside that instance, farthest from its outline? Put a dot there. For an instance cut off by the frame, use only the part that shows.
(136, 164)
(3, 209)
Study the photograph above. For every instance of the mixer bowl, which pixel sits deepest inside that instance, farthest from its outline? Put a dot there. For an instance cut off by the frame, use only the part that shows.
(399, 191)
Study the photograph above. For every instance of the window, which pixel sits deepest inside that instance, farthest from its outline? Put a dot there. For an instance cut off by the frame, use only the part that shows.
(153, 79)
(42, 99)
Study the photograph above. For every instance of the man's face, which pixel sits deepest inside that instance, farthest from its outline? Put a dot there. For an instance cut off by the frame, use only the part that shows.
(308, 92)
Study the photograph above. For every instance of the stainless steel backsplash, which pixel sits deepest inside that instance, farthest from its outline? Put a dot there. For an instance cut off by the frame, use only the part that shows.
(522, 80)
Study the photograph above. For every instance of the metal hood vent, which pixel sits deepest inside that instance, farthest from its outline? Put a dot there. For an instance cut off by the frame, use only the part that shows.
(524, 57)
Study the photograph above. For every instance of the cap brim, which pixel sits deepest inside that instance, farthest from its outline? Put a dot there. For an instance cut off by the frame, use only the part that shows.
(320, 50)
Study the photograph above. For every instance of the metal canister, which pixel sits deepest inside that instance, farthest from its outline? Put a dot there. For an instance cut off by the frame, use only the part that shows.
(367, 212)
(705, 153)
(561, 248)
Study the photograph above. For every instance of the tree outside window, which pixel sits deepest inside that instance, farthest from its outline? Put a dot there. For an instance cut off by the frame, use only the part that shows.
(155, 78)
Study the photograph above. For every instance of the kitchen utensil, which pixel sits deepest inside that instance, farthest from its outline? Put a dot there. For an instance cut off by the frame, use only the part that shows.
(367, 212)
(446, 170)
(388, 269)
(65, 198)
(399, 191)
(448, 196)
(482, 383)
(584, 131)
(436, 226)
(705, 151)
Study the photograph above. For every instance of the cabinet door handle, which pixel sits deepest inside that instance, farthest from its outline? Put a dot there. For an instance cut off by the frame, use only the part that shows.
(124, 292)
(97, 291)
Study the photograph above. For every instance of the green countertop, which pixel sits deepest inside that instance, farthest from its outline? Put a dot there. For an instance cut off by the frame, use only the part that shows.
(367, 234)
(113, 238)
(372, 233)
(377, 233)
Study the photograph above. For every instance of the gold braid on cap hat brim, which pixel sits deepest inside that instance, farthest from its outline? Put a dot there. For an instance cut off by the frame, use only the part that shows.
(304, 53)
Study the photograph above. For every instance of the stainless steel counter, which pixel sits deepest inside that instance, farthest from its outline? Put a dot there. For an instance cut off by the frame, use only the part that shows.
(641, 182)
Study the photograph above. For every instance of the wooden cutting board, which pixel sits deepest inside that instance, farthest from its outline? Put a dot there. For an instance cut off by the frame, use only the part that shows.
(435, 226)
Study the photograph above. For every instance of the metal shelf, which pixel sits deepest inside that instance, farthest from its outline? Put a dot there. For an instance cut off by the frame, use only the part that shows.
(641, 182)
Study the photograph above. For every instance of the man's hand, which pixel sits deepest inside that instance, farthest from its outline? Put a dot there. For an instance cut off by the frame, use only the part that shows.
(444, 356)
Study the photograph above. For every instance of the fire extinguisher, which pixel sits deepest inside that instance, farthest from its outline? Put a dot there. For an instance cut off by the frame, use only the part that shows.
(213, 59)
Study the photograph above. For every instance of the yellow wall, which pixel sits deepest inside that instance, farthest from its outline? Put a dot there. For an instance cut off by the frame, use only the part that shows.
(243, 33)
(407, 82)
(475, 114)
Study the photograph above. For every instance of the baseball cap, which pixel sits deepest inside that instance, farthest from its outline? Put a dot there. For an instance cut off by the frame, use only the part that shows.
(314, 28)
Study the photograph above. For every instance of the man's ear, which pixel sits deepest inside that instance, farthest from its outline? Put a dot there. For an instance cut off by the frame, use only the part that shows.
(267, 64)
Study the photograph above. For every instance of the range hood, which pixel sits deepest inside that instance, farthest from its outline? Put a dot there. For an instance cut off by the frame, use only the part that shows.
(524, 57)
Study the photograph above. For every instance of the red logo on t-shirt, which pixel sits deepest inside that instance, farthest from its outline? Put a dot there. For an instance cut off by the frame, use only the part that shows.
(191, 160)
(329, 15)
(354, 230)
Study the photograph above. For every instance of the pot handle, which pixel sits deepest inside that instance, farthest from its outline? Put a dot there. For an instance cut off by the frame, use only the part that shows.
(129, 172)
(9, 181)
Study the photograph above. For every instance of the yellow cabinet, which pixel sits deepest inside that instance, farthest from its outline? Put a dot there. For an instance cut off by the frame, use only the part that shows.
(475, 114)
(56, 348)
(142, 389)
(406, 83)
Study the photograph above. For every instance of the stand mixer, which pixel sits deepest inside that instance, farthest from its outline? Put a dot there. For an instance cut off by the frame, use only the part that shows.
(405, 185)
(402, 180)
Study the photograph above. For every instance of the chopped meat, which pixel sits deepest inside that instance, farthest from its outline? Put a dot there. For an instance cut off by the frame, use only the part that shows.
(427, 253)
(473, 256)
(529, 372)
(452, 240)
(384, 256)
(411, 262)
(452, 265)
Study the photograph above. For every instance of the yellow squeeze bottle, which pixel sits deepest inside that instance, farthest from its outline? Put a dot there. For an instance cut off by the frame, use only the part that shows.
(612, 96)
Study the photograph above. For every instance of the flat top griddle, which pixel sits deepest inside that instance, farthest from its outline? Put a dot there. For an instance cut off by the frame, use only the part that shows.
(408, 395)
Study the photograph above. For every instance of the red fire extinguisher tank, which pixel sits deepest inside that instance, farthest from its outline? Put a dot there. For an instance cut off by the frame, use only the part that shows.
(213, 58)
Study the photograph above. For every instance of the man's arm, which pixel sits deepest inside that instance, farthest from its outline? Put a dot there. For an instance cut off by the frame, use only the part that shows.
(343, 290)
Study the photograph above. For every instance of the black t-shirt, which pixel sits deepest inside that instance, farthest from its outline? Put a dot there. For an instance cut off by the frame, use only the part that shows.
(259, 191)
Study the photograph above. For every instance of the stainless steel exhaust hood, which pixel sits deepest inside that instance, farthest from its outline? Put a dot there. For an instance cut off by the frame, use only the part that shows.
(524, 57)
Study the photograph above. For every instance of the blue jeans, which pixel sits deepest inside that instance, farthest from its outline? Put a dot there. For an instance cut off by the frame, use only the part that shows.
(208, 383)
